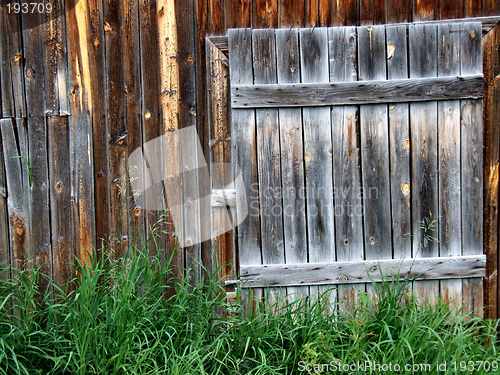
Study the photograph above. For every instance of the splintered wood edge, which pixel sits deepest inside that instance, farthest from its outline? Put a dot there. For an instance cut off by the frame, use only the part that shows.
(437, 268)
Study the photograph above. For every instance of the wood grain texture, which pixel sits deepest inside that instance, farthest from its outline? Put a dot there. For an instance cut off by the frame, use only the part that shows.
(473, 8)
(313, 16)
(352, 93)
(15, 150)
(346, 13)
(239, 13)
(265, 14)
(491, 62)
(472, 162)
(424, 10)
(450, 215)
(424, 183)
(292, 154)
(399, 11)
(374, 129)
(217, 17)
(491, 8)
(342, 273)
(399, 141)
(268, 151)
(325, 12)
(292, 13)
(451, 9)
(5, 256)
(372, 12)
(60, 199)
(342, 45)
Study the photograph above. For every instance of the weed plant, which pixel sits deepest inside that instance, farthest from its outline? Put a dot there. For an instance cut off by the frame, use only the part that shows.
(117, 319)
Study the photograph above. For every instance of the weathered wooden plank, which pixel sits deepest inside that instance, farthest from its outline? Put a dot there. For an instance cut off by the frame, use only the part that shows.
(451, 9)
(473, 8)
(424, 10)
(292, 156)
(11, 69)
(348, 212)
(117, 129)
(268, 151)
(491, 162)
(472, 164)
(5, 256)
(374, 131)
(312, 13)
(55, 60)
(15, 154)
(318, 151)
(60, 199)
(399, 11)
(372, 12)
(80, 97)
(345, 13)
(491, 7)
(342, 273)
(424, 183)
(399, 140)
(352, 93)
(40, 246)
(325, 12)
(195, 181)
(265, 14)
(292, 13)
(217, 17)
(450, 233)
(244, 139)
(132, 82)
(222, 245)
(239, 13)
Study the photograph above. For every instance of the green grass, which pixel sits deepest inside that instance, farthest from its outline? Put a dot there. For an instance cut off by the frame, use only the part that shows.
(118, 320)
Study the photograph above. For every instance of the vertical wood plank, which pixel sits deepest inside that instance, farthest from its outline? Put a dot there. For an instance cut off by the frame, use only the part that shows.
(132, 82)
(80, 99)
(60, 199)
(265, 14)
(193, 190)
(312, 13)
(325, 12)
(292, 13)
(117, 128)
(239, 13)
(244, 139)
(167, 106)
(473, 8)
(217, 17)
(472, 164)
(450, 233)
(15, 149)
(292, 168)
(318, 152)
(399, 11)
(346, 161)
(374, 130)
(424, 10)
(220, 153)
(491, 62)
(11, 69)
(55, 60)
(346, 13)
(372, 12)
(40, 246)
(5, 258)
(268, 156)
(424, 182)
(491, 8)
(399, 141)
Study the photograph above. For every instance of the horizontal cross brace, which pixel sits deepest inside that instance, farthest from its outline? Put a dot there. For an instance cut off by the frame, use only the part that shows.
(360, 272)
(354, 93)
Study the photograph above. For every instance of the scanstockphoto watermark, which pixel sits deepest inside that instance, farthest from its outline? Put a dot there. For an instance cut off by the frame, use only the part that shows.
(313, 201)
(367, 367)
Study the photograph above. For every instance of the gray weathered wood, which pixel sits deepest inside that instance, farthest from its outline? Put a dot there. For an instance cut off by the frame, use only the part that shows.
(60, 199)
(399, 140)
(5, 256)
(472, 165)
(374, 130)
(292, 158)
(244, 152)
(450, 234)
(343, 93)
(318, 152)
(346, 160)
(424, 183)
(341, 273)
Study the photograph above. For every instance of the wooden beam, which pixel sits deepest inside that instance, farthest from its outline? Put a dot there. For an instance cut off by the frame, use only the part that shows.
(336, 273)
(359, 92)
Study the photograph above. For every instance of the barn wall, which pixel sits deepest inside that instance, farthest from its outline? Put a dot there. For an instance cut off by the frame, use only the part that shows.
(93, 86)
